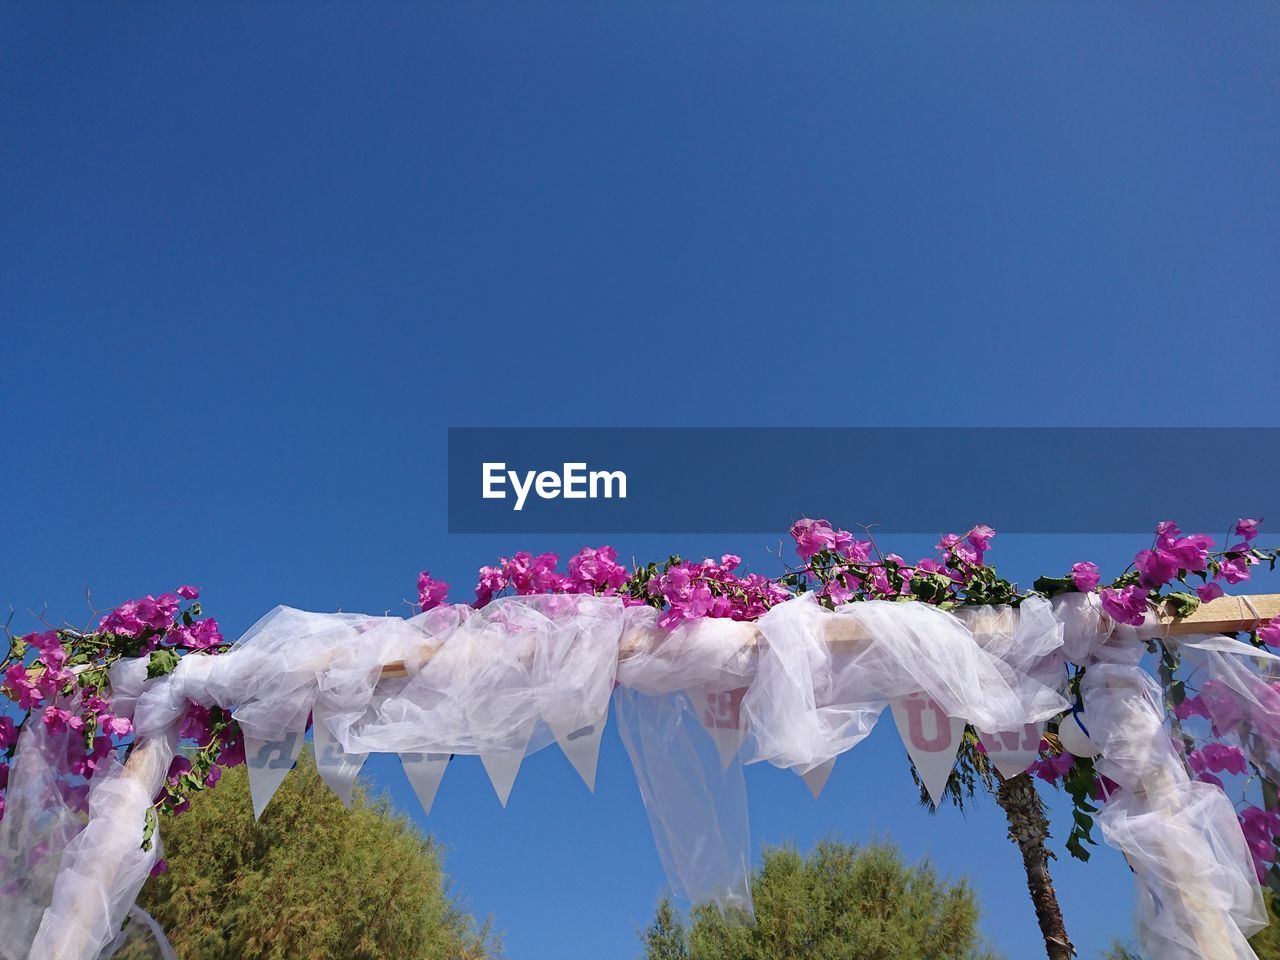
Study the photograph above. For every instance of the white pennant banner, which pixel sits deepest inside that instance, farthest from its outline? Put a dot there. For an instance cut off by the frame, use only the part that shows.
(268, 762)
(502, 763)
(1012, 751)
(932, 740)
(336, 767)
(817, 778)
(721, 715)
(425, 771)
(582, 747)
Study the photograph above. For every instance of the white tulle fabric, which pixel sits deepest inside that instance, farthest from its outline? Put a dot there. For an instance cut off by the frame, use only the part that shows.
(522, 673)
(813, 699)
(1198, 896)
(144, 938)
(72, 873)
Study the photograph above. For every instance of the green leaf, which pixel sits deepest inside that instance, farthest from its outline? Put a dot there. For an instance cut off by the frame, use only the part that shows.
(1183, 604)
(161, 662)
(149, 830)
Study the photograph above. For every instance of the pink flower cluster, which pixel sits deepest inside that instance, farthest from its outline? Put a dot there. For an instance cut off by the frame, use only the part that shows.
(591, 570)
(45, 687)
(845, 563)
(1171, 558)
(712, 589)
(1214, 758)
(1051, 769)
(1261, 828)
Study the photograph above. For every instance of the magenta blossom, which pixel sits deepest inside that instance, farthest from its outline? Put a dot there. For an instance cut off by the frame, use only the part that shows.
(1217, 758)
(598, 571)
(56, 720)
(20, 687)
(1270, 634)
(1125, 606)
(1209, 591)
(1247, 528)
(492, 582)
(1085, 576)
(1052, 769)
(200, 635)
(431, 593)
(8, 732)
(1235, 569)
(812, 537)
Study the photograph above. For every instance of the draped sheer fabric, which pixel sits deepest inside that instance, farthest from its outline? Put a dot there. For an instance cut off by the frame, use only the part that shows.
(525, 672)
(1198, 896)
(813, 699)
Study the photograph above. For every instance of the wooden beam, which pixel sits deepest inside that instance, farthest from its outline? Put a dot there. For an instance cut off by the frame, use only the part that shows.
(1228, 615)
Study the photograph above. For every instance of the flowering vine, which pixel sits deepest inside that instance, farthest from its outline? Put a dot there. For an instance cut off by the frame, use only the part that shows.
(59, 678)
(1176, 573)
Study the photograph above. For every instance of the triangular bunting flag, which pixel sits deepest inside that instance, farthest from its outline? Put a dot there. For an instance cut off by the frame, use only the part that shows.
(582, 747)
(425, 771)
(336, 767)
(1012, 751)
(268, 761)
(932, 739)
(721, 715)
(502, 763)
(817, 778)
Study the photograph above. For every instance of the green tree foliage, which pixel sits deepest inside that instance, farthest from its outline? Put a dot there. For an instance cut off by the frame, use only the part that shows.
(1120, 951)
(311, 881)
(841, 902)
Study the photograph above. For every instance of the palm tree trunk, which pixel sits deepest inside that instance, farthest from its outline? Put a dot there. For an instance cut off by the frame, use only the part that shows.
(1029, 828)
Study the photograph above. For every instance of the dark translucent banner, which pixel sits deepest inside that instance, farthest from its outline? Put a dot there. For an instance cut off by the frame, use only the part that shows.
(904, 480)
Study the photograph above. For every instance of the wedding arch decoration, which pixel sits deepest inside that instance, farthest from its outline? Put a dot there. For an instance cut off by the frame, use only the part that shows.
(1154, 702)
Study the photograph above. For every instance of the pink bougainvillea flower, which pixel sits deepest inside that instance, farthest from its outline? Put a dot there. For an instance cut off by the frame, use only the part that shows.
(1235, 569)
(1157, 567)
(20, 687)
(1270, 633)
(1052, 769)
(1128, 605)
(57, 719)
(838, 591)
(596, 570)
(1209, 591)
(1217, 758)
(491, 583)
(1085, 576)
(1191, 707)
(1191, 553)
(1222, 707)
(115, 726)
(188, 592)
(981, 536)
(431, 593)
(1260, 828)
(8, 732)
(812, 537)
(177, 768)
(232, 753)
(161, 866)
(1247, 527)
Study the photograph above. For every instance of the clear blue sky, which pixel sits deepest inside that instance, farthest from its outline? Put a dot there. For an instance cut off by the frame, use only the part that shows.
(254, 261)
